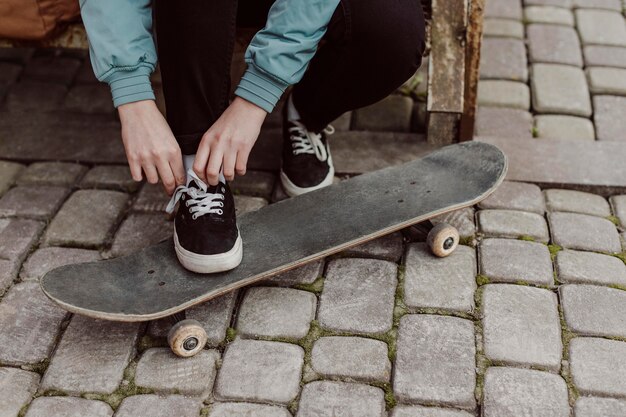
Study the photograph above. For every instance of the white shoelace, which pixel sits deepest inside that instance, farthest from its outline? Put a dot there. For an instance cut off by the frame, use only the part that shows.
(303, 141)
(204, 202)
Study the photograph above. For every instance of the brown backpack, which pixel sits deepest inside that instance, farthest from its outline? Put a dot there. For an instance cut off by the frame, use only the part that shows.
(35, 19)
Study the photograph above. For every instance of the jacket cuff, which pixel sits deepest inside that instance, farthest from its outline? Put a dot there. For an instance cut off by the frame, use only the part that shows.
(130, 86)
(260, 88)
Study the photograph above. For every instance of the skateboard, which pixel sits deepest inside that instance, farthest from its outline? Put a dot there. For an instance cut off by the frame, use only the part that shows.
(150, 284)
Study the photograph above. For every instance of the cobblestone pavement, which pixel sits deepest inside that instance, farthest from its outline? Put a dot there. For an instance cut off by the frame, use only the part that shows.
(527, 317)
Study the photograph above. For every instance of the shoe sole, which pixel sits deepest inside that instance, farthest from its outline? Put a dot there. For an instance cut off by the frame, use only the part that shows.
(293, 190)
(209, 264)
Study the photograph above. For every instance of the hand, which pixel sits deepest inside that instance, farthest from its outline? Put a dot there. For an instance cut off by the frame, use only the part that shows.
(228, 142)
(150, 145)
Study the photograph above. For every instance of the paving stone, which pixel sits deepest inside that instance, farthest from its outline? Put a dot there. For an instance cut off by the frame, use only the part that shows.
(358, 296)
(509, 123)
(597, 166)
(91, 356)
(52, 69)
(388, 248)
(245, 204)
(162, 371)
(597, 366)
(564, 127)
(560, 89)
(260, 371)
(40, 202)
(8, 273)
(501, 93)
(391, 114)
(513, 224)
(276, 312)
(584, 232)
(9, 171)
(503, 28)
(553, 44)
(618, 203)
(29, 324)
(35, 96)
(608, 117)
(152, 197)
(51, 173)
(68, 407)
(328, 398)
(598, 4)
(112, 177)
(435, 361)
(17, 387)
(591, 310)
(306, 274)
(507, 260)
(247, 410)
(549, 14)
(601, 27)
(589, 268)
(355, 152)
(599, 407)
(254, 183)
(139, 231)
(605, 56)
(521, 326)
(577, 202)
(214, 315)
(462, 220)
(443, 283)
(515, 196)
(46, 259)
(352, 357)
(89, 98)
(156, 406)
(16, 54)
(9, 72)
(503, 59)
(62, 136)
(505, 9)
(524, 392)
(17, 237)
(420, 411)
(86, 218)
(567, 4)
(607, 80)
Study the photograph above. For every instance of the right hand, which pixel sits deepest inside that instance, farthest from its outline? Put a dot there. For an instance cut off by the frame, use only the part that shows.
(150, 145)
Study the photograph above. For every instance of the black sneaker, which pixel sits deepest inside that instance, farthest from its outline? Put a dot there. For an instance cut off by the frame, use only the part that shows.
(307, 164)
(206, 237)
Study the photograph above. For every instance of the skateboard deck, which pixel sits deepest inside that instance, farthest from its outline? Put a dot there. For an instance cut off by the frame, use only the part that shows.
(150, 283)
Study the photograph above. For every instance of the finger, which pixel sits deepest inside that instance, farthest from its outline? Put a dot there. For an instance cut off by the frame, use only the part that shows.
(230, 158)
(201, 160)
(242, 161)
(214, 165)
(167, 176)
(178, 169)
(135, 170)
(151, 172)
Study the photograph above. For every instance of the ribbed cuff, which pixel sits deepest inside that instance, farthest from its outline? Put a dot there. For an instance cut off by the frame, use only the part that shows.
(260, 88)
(131, 86)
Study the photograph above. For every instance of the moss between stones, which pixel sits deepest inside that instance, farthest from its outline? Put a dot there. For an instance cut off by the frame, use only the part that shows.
(567, 336)
(205, 412)
(526, 238)
(39, 367)
(482, 280)
(315, 287)
(554, 249)
(467, 241)
(614, 220)
(618, 287)
(621, 256)
(147, 342)
(535, 132)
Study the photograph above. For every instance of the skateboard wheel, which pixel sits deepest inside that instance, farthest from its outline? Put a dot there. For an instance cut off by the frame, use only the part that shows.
(443, 240)
(186, 338)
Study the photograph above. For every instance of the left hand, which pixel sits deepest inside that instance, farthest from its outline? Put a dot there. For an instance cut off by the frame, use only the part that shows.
(227, 144)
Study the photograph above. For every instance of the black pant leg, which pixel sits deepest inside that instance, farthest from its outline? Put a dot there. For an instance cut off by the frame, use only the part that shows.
(195, 40)
(370, 49)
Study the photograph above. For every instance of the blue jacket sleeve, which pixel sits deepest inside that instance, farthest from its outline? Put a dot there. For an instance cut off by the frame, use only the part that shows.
(121, 46)
(279, 53)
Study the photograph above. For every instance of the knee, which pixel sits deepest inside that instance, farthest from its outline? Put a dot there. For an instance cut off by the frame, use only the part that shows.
(395, 34)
